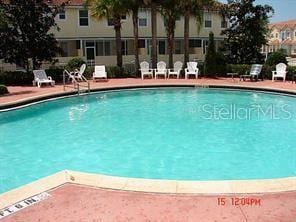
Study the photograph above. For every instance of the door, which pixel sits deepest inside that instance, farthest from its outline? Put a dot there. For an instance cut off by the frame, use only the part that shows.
(90, 53)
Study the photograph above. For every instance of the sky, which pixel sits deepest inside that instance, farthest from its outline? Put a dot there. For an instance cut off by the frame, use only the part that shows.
(283, 9)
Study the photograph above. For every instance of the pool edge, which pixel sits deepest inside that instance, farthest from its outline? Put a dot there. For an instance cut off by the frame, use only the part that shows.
(47, 97)
(147, 185)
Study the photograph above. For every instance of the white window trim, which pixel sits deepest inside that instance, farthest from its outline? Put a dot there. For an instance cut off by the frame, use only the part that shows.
(111, 26)
(208, 20)
(140, 17)
(78, 20)
(62, 19)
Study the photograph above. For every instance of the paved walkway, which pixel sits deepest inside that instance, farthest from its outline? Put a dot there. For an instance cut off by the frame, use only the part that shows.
(23, 92)
(71, 203)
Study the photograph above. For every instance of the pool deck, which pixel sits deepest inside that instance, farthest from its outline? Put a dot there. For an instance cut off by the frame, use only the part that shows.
(73, 202)
(19, 93)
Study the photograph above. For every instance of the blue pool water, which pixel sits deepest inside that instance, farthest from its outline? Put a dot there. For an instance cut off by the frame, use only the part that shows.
(186, 134)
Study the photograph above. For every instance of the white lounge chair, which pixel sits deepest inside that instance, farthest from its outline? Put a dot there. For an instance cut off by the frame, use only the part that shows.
(99, 73)
(145, 70)
(191, 70)
(177, 69)
(254, 72)
(40, 77)
(280, 72)
(161, 69)
(78, 74)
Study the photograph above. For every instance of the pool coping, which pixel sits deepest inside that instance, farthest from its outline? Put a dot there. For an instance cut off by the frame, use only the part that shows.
(144, 185)
(172, 187)
(51, 96)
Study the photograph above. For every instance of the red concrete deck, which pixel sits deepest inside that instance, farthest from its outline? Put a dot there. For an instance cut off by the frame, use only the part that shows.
(23, 92)
(71, 203)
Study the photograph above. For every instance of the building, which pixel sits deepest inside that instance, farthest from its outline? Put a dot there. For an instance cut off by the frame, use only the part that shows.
(282, 35)
(94, 40)
(82, 35)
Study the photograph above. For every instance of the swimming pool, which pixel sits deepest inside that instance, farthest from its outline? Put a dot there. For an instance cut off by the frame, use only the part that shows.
(183, 134)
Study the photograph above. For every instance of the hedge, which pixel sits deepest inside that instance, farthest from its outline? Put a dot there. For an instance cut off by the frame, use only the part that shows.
(3, 90)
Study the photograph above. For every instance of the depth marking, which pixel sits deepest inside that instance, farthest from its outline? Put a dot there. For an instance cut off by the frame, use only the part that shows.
(23, 204)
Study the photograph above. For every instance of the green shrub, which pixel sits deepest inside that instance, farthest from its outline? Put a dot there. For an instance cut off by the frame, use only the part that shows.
(241, 69)
(3, 89)
(276, 57)
(211, 58)
(74, 63)
(116, 72)
(291, 72)
(16, 78)
(56, 74)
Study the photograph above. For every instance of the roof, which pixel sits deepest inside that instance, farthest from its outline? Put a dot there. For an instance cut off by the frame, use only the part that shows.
(70, 2)
(284, 24)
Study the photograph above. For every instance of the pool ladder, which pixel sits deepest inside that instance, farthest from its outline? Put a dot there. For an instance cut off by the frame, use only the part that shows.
(81, 88)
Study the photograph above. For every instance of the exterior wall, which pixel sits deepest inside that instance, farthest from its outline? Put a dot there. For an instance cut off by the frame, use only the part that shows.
(98, 31)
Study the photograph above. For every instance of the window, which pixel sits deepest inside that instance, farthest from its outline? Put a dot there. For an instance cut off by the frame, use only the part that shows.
(62, 15)
(142, 43)
(161, 47)
(110, 21)
(143, 18)
(178, 47)
(64, 46)
(295, 34)
(194, 43)
(223, 23)
(205, 46)
(208, 20)
(83, 18)
(276, 35)
(271, 36)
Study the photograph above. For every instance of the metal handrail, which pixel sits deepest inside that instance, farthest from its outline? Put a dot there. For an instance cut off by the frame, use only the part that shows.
(76, 84)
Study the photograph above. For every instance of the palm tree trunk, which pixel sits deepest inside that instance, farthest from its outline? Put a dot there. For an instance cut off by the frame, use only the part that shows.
(186, 35)
(117, 27)
(154, 34)
(170, 37)
(136, 39)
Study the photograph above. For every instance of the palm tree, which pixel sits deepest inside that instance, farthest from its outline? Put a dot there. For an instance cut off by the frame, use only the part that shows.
(134, 6)
(153, 4)
(192, 8)
(111, 9)
(170, 11)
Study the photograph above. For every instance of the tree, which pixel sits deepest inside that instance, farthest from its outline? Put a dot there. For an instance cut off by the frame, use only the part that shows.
(211, 57)
(170, 11)
(192, 8)
(277, 57)
(114, 10)
(247, 31)
(24, 32)
(134, 6)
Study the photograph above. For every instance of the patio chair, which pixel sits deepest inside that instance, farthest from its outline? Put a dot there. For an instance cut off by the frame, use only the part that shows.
(78, 74)
(161, 69)
(40, 77)
(145, 70)
(253, 74)
(280, 72)
(99, 73)
(191, 70)
(176, 71)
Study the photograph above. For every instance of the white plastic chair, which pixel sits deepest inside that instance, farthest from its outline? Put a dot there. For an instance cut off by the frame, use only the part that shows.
(40, 77)
(177, 69)
(280, 72)
(78, 74)
(145, 70)
(99, 73)
(191, 70)
(161, 69)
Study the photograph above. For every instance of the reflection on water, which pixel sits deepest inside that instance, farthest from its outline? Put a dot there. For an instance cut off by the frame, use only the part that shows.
(76, 112)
